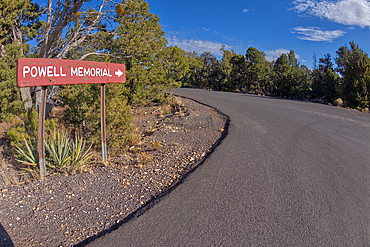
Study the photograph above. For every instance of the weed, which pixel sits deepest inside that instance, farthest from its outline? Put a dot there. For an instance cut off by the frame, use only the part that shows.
(176, 105)
(155, 145)
(171, 107)
(144, 158)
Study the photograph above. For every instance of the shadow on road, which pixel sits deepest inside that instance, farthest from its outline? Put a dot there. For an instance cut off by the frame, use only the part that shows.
(5, 240)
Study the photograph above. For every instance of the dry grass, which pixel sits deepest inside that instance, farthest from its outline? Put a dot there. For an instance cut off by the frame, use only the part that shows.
(176, 105)
(143, 159)
(155, 145)
(338, 102)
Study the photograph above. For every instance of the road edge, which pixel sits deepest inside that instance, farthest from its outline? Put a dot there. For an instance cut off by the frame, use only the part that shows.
(156, 199)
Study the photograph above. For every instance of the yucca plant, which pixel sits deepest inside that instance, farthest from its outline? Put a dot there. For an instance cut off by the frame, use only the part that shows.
(59, 149)
(63, 154)
(29, 156)
(79, 156)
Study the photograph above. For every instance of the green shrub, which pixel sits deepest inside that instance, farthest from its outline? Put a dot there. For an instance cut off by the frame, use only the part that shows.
(26, 128)
(62, 154)
(119, 130)
(338, 102)
(10, 98)
(83, 111)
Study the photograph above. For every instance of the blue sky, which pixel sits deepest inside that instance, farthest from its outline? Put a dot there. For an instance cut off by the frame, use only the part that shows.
(305, 26)
(271, 26)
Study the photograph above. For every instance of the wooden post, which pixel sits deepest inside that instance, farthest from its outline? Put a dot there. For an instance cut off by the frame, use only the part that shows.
(42, 72)
(41, 132)
(103, 128)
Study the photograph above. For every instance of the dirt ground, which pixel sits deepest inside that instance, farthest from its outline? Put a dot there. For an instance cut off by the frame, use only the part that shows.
(69, 210)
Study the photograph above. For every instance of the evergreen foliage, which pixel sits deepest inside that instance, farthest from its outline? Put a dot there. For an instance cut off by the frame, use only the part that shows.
(194, 62)
(83, 114)
(139, 41)
(10, 98)
(353, 65)
(238, 73)
(25, 129)
(285, 77)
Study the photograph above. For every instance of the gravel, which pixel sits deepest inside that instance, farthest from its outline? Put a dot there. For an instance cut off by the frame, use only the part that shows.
(72, 210)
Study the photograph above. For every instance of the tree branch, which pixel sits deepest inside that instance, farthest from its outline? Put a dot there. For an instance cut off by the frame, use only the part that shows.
(103, 54)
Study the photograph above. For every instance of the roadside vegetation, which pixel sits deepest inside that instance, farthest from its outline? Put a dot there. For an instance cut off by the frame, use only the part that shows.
(343, 80)
(127, 33)
(117, 32)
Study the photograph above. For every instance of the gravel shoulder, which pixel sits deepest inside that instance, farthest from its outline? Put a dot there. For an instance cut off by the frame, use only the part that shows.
(71, 210)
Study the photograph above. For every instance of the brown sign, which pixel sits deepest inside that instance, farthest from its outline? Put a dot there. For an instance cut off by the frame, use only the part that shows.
(48, 72)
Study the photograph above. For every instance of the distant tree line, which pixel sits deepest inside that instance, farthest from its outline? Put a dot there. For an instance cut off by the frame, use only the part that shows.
(348, 81)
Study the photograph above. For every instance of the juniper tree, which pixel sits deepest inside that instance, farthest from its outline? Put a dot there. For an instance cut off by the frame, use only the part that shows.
(18, 24)
(139, 43)
(353, 66)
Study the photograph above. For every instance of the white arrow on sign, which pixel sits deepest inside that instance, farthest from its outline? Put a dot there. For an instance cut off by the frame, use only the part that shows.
(118, 73)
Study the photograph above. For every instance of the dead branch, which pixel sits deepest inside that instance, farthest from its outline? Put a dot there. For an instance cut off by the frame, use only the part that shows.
(103, 54)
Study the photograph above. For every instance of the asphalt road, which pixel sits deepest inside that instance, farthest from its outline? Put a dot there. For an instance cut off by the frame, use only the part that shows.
(289, 173)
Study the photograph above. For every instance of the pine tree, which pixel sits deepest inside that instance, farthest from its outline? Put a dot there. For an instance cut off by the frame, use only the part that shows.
(10, 98)
(291, 79)
(352, 64)
(18, 24)
(238, 73)
(225, 69)
(191, 78)
(206, 74)
(256, 69)
(331, 87)
(281, 80)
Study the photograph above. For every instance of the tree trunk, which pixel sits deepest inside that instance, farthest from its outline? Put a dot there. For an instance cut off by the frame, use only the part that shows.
(196, 79)
(25, 92)
(26, 97)
(44, 50)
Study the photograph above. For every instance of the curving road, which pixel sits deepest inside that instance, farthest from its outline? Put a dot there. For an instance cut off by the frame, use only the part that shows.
(289, 173)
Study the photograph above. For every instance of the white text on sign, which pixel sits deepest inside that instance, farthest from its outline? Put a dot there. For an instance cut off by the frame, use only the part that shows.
(52, 71)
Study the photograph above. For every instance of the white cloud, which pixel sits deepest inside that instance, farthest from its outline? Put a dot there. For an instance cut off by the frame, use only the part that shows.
(347, 12)
(199, 46)
(245, 10)
(317, 34)
(273, 55)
